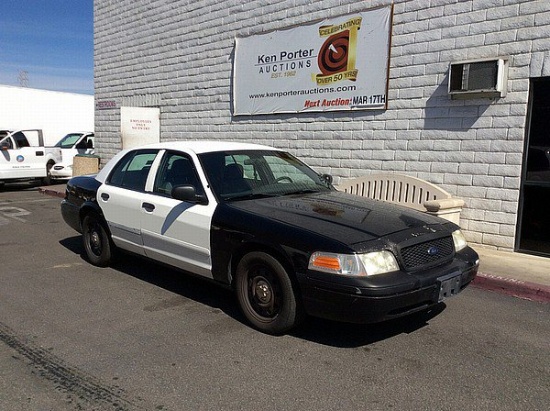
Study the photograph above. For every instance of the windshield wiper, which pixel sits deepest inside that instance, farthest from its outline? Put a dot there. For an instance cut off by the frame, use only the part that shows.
(250, 196)
(303, 191)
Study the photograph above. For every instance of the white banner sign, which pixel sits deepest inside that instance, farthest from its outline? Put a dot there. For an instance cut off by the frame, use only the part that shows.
(337, 64)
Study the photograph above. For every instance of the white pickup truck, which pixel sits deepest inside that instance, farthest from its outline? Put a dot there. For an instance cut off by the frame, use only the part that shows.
(81, 142)
(24, 157)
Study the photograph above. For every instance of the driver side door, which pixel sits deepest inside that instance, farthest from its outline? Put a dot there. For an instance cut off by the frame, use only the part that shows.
(19, 159)
(173, 231)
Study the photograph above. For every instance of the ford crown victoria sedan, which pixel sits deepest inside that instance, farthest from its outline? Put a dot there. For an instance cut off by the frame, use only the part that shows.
(258, 220)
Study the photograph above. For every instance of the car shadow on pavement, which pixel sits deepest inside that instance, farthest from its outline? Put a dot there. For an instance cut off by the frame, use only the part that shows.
(345, 335)
(73, 244)
(317, 330)
(186, 284)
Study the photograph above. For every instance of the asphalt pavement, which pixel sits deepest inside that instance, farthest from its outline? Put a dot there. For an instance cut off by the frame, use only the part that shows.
(517, 274)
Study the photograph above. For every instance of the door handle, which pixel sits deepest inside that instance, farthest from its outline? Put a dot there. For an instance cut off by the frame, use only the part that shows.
(39, 153)
(104, 196)
(148, 207)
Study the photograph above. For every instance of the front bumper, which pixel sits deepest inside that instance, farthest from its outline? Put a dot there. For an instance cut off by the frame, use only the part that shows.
(355, 301)
(62, 171)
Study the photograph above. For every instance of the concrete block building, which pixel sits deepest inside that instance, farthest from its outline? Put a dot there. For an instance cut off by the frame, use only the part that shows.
(467, 103)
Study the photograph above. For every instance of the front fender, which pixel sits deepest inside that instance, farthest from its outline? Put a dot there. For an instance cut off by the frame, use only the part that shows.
(234, 235)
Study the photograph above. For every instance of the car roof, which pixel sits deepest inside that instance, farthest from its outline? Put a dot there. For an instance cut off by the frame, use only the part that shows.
(207, 146)
(196, 147)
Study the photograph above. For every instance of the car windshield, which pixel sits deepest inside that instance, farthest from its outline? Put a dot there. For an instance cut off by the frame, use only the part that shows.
(239, 175)
(68, 141)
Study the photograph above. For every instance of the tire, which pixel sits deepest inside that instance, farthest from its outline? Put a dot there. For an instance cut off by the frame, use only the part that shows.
(266, 294)
(97, 242)
(48, 179)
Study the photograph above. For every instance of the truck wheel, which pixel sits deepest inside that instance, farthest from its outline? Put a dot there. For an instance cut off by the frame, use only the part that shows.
(265, 294)
(97, 243)
(48, 179)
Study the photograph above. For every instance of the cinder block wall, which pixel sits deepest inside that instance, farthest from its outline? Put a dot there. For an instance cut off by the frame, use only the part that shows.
(177, 55)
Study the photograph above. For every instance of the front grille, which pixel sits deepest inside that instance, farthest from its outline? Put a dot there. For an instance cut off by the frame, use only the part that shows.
(428, 253)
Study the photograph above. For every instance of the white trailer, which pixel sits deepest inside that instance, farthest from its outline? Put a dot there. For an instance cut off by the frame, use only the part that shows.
(55, 113)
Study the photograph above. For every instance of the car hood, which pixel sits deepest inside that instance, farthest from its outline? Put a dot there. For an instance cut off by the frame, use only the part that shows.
(347, 218)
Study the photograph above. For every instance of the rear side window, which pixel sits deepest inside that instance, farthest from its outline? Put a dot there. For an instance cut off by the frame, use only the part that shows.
(132, 171)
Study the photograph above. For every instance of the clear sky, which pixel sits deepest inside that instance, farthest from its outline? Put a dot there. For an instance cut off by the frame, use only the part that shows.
(50, 40)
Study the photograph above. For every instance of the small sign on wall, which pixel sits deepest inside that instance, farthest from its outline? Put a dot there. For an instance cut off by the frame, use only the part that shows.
(105, 104)
(139, 126)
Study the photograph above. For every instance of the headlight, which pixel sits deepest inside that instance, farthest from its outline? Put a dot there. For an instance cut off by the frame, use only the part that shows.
(459, 240)
(377, 262)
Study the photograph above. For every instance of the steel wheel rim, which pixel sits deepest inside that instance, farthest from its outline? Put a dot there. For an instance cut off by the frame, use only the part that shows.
(94, 239)
(264, 293)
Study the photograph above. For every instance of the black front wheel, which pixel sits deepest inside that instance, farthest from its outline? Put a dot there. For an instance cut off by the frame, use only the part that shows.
(97, 243)
(266, 294)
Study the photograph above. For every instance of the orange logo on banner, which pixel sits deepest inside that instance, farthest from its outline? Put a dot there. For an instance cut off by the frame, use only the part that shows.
(337, 56)
(333, 57)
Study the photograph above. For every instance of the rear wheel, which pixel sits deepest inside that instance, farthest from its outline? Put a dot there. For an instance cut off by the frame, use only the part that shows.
(266, 294)
(97, 243)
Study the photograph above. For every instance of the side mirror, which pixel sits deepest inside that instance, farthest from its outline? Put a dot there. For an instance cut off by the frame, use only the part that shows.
(188, 193)
(327, 177)
(4, 146)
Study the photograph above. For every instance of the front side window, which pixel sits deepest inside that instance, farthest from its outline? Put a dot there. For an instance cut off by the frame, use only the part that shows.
(176, 169)
(132, 170)
(6, 142)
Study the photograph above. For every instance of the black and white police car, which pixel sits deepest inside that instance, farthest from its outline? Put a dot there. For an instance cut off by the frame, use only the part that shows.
(259, 220)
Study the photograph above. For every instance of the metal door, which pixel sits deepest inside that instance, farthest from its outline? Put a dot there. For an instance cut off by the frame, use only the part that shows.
(533, 234)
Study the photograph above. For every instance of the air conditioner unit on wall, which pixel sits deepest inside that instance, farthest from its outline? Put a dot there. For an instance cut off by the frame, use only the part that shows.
(478, 78)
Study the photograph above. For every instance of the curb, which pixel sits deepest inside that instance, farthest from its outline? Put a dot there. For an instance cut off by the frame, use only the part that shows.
(513, 287)
(51, 192)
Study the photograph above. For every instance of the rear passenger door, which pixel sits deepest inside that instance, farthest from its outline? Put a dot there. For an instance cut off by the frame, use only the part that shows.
(122, 195)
